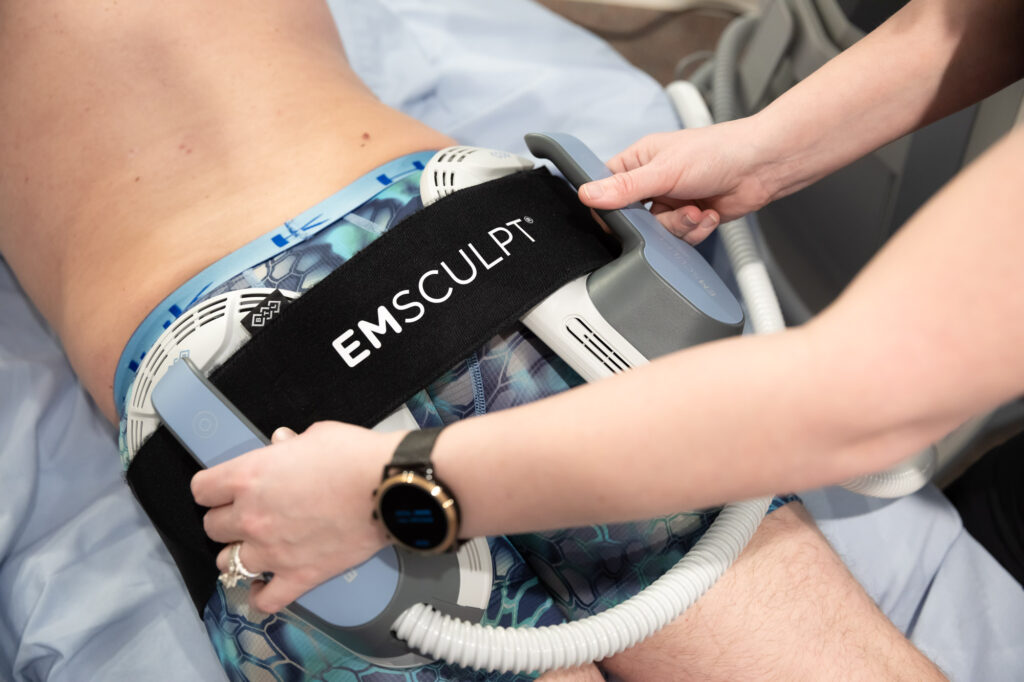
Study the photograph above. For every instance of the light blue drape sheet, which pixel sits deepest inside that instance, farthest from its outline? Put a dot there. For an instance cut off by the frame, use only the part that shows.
(87, 591)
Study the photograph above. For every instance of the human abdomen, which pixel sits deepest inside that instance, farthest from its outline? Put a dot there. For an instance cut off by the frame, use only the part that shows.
(142, 143)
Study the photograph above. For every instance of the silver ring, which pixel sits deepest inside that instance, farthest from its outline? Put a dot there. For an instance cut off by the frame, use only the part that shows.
(237, 572)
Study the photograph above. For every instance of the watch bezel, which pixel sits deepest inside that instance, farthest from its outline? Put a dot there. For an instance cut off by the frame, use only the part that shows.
(437, 491)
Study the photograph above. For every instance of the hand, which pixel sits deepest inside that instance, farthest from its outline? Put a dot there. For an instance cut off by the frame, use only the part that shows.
(696, 178)
(301, 507)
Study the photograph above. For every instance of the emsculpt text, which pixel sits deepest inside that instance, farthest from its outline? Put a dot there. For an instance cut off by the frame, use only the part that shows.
(433, 287)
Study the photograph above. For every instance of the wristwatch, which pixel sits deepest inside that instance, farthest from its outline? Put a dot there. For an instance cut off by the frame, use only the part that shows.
(418, 511)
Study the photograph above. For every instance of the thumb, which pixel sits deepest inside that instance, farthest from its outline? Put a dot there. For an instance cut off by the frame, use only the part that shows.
(621, 189)
(282, 433)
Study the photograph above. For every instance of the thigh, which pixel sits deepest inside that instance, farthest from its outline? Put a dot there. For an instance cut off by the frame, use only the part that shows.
(787, 609)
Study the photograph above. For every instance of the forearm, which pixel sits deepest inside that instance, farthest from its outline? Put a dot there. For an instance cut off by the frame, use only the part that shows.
(930, 59)
(654, 441)
(924, 339)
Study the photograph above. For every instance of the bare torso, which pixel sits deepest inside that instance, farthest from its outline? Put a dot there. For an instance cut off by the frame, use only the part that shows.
(141, 144)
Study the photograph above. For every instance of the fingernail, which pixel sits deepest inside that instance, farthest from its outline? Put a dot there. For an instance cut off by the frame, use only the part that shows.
(282, 433)
(689, 222)
(592, 190)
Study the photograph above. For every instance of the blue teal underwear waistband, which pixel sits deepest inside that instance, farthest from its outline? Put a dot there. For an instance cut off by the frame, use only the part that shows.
(302, 227)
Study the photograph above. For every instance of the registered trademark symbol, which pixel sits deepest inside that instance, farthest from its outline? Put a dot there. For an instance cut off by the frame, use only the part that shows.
(528, 220)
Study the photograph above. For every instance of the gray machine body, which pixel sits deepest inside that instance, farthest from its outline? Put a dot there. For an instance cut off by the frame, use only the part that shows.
(660, 294)
(356, 608)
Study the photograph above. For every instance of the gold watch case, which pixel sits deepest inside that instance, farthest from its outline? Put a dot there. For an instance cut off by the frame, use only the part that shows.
(433, 487)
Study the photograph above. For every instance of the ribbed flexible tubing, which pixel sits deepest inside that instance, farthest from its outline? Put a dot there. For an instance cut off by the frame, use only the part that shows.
(591, 639)
(755, 284)
(903, 479)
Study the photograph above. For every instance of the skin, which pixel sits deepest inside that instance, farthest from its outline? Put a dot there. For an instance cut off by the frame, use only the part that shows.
(939, 56)
(161, 151)
(178, 156)
(883, 372)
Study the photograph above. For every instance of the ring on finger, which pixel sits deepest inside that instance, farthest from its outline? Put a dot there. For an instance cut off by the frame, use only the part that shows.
(237, 572)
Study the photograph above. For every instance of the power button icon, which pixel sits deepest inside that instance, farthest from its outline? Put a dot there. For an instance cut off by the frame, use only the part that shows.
(204, 424)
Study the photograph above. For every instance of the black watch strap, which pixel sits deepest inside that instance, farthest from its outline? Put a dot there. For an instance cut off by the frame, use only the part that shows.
(414, 450)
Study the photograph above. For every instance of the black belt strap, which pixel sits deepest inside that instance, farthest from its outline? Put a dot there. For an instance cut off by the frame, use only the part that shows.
(395, 317)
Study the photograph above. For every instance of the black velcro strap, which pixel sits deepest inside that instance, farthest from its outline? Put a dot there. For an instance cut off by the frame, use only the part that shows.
(395, 317)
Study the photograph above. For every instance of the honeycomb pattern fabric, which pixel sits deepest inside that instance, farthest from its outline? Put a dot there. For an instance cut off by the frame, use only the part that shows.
(283, 648)
(539, 579)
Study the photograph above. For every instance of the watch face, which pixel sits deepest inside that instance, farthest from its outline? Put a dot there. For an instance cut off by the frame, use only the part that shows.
(414, 516)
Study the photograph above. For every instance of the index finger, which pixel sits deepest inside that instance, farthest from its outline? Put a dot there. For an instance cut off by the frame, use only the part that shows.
(637, 154)
(629, 158)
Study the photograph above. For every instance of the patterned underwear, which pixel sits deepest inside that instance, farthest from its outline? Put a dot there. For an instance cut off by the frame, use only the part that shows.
(539, 579)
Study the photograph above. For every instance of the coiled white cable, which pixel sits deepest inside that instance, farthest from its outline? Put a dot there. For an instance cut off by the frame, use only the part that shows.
(903, 479)
(764, 311)
(597, 637)
(752, 278)
(572, 644)
(606, 634)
